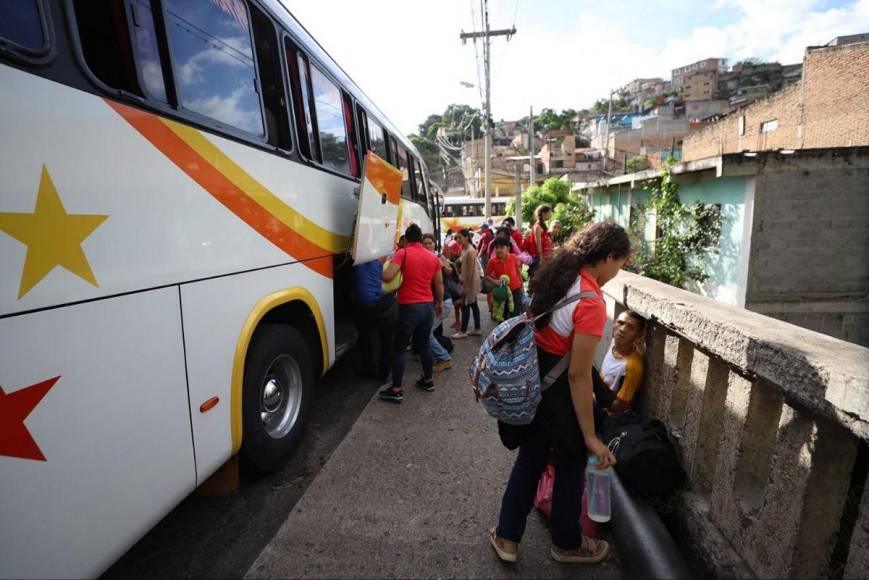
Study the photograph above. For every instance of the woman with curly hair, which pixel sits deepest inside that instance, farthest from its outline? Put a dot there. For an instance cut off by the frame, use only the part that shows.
(564, 423)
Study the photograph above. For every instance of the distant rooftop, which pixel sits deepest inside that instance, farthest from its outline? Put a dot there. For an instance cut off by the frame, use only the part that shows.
(849, 39)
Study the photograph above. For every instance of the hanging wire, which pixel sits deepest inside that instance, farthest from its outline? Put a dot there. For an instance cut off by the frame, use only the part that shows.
(477, 54)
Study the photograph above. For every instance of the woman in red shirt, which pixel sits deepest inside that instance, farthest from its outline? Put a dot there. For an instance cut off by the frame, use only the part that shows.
(539, 242)
(564, 423)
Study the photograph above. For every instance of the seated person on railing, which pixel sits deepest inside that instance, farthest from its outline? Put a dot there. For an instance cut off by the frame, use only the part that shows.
(623, 366)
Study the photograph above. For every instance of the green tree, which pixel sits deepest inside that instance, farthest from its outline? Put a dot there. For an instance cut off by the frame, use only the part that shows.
(431, 156)
(459, 119)
(649, 104)
(600, 107)
(684, 234)
(570, 210)
(455, 117)
(637, 163)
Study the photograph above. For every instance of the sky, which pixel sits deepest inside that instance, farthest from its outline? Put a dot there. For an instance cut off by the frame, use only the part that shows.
(407, 57)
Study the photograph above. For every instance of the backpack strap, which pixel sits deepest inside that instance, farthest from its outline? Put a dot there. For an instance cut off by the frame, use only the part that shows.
(564, 302)
(562, 364)
(555, 372)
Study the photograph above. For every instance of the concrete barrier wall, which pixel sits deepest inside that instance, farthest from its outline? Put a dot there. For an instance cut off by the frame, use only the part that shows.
(769, 419)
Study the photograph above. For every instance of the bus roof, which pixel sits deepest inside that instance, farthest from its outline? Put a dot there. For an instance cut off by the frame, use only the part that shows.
(315, 49)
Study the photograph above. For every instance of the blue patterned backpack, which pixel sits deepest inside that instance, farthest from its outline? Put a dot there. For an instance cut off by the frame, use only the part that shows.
(505, 374)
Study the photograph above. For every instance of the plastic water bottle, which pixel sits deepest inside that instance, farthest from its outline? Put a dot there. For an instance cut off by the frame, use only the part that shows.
(599, 485)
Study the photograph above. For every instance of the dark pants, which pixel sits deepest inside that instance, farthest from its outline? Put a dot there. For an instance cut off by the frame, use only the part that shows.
(466, 318)
(518, 297)
(566, 494)
(375, 324)
(414, 322)
(532, 268)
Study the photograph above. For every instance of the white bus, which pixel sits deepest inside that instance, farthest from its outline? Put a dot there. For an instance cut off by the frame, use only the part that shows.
(176, 201)
(468, 212)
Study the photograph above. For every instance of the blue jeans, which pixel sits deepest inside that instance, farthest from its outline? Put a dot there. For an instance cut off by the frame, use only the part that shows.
(438, 352)
(566, 494)
(414, 322)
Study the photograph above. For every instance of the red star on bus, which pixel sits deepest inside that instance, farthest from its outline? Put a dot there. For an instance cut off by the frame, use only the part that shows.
(15, 439)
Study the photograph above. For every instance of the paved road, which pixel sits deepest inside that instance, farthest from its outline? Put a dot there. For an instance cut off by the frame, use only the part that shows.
(409, 493)
(375, 490)
(219, 537)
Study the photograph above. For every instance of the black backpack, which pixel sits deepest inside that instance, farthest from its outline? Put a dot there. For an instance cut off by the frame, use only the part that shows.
(445, 341)
(648, 464)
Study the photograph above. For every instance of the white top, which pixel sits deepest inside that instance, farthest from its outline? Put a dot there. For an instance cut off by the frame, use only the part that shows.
(613, 369)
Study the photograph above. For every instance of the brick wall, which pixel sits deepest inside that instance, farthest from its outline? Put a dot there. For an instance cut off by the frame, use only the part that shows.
(837, 96)
(809, 261)
(724, 136)
(835, 111)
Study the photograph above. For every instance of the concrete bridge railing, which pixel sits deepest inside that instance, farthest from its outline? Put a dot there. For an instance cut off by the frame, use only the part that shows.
(771, 421)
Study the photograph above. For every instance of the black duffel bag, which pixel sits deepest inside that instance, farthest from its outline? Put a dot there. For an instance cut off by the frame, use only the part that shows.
(648, 464)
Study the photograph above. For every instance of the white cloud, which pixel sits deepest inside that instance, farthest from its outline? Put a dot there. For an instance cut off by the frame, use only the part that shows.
(410, 61)
(239, 109)
(235, 52)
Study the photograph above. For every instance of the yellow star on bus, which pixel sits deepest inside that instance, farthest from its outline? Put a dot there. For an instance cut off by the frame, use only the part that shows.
(52, 236)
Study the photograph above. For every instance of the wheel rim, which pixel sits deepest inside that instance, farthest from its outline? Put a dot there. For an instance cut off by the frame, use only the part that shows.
(281, 396)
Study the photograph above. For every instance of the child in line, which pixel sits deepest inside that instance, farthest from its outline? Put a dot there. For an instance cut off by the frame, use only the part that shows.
(504, 263)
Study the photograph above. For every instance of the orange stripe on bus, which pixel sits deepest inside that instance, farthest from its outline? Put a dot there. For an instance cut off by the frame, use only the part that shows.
(224, 191)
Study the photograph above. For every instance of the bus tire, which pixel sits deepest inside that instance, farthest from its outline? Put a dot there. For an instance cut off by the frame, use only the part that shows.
(277, 396)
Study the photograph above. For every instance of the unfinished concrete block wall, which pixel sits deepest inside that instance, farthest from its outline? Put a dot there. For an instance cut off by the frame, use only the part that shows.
(770, 420)
(809, 257)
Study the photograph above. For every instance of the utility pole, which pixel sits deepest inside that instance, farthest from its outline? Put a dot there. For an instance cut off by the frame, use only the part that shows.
(486, 34)
(606, 145)
(532, 167)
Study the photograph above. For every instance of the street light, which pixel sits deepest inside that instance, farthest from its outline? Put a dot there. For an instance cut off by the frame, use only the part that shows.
(467, 84)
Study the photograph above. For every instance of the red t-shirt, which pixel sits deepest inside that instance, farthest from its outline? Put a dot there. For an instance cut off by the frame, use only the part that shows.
(418, 267)
(510, 266)
(517, 237)
(587, 316)
(545, 240)
(483, 243)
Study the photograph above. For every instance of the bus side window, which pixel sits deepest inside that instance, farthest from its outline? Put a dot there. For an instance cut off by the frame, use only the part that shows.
(215, 72)
(362, 124)
(352, 140)
(22, 23)
(419, 188)
(376, 140)
(329, 119)
(306, 112)
(394, 150)
(271, 80)
(105, 44)
(406, 191)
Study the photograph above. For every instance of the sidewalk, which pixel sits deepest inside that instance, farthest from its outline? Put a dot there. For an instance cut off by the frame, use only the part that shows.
(411, 492)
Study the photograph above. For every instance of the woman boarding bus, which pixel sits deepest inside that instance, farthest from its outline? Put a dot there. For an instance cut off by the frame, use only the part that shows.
(175, 213)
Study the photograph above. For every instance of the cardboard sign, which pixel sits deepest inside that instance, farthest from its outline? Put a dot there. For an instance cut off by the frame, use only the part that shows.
(379, 212)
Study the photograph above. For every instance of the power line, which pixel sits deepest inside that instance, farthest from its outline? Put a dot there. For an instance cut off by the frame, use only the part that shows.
(477, 58)
(485, 35)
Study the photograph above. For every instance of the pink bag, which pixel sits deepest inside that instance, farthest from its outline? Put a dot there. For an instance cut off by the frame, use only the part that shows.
(543, 497)
(543, 501)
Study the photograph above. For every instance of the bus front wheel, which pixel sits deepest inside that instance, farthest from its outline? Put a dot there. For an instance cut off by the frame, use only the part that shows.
(277, 394)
